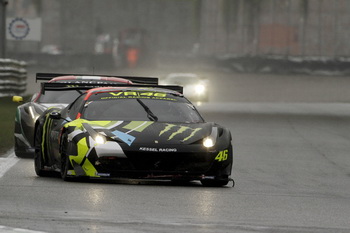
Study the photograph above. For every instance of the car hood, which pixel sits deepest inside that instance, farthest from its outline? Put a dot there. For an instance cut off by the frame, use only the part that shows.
(150, 132)
(56, 105)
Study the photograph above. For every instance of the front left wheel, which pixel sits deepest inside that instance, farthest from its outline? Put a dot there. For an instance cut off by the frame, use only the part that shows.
(65, 163)
(38, 155)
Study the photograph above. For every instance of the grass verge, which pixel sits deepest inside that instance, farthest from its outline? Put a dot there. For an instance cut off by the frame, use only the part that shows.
(7, 123)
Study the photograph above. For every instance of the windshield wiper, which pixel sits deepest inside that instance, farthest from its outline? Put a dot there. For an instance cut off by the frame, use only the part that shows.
(150, 114)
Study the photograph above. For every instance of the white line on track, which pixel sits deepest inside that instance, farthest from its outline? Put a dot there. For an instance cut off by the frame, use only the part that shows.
(7, 163)
(5, 229)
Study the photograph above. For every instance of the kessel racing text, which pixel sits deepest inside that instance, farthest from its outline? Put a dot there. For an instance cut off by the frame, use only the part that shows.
(152, 149)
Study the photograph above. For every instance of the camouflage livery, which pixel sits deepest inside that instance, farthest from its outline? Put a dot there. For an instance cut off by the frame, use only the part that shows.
(149, 148)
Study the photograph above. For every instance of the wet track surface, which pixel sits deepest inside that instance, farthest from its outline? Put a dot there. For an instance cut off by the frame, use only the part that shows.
(292, 173)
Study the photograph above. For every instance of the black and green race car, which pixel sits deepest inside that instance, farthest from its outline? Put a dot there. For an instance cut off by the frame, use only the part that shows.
(132, 132)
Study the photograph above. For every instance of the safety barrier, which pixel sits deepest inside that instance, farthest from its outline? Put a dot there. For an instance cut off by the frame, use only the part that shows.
(13, 77)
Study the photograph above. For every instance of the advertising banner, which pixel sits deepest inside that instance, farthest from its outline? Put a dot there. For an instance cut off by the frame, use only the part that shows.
(23, 29)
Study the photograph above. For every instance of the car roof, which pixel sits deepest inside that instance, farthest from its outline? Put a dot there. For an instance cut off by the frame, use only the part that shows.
(73, 78)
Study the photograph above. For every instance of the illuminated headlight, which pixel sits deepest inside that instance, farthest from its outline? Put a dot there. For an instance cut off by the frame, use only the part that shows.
(200, 89)
(208, 142)
(99, 139)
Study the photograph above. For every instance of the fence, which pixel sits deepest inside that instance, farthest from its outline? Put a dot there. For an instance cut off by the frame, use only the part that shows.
(13, 77)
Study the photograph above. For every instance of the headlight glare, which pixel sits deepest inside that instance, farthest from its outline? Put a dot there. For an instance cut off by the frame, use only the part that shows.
(200, 89)
(208, 142)
(99, 139)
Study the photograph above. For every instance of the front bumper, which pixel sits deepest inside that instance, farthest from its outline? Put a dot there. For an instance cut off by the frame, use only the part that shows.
(147, 165)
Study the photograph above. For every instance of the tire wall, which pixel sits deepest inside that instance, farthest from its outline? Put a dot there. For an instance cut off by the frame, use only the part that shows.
(13, 77)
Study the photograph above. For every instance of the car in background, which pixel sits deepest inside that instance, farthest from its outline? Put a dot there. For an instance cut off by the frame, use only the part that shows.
(195, 88)
(57, 92)
(134, 132)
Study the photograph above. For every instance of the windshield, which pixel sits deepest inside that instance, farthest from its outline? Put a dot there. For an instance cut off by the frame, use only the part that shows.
(62, 96)
(148, 109)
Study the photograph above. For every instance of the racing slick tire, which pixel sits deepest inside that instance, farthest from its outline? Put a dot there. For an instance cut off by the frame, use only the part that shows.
(38, 155)
(20, 147)
(25, 155)
(21, 153)
(65, 163)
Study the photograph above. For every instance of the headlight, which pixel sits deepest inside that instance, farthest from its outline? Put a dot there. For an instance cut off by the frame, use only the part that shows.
(99, 139)
(200, 89)
(208, 142)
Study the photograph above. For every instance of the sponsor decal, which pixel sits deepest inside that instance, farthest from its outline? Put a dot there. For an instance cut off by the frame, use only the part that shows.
(80, 81)
(139, 95)
(180, 130)
(153, 149)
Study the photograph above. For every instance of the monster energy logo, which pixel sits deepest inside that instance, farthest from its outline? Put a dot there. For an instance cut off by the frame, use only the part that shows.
(180, 130)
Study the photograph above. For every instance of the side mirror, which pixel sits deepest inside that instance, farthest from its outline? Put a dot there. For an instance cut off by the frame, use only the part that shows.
(17, 99)
(55, 115)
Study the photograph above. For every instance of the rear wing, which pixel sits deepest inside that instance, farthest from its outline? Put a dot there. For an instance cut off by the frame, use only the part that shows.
(134, 79)
(45, 86)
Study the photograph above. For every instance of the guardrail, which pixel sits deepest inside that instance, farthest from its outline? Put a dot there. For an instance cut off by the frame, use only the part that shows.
(13, 77)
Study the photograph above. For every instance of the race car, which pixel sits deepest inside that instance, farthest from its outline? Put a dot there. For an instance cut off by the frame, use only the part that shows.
(28, 113)
(195, 87)
(132, 132)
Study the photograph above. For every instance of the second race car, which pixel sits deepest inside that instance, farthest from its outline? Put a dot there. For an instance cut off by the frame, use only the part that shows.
(196, 88)
(28, 113)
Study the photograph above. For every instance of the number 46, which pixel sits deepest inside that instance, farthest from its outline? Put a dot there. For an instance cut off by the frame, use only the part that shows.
(222, 156)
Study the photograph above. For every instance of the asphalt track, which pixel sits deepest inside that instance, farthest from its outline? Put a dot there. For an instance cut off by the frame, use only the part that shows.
(292, 173)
